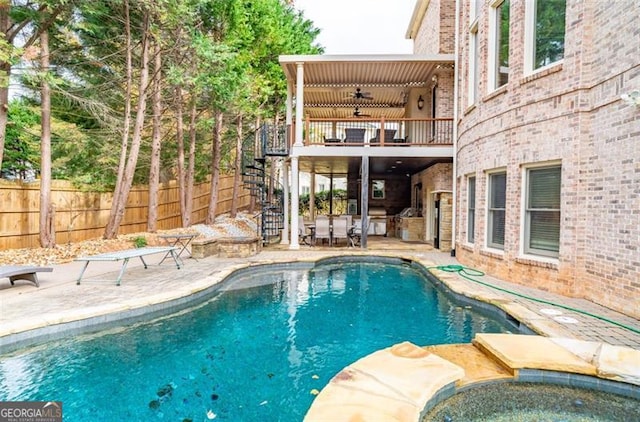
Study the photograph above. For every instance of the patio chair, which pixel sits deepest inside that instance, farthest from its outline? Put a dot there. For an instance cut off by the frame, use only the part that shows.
(304, 233)
(340, 229)
(388, 136)
(355, 232)
(322, 229)
(355, 136)
(349, 218)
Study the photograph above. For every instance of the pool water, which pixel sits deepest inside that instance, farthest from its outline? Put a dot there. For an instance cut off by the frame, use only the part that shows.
(256, 353)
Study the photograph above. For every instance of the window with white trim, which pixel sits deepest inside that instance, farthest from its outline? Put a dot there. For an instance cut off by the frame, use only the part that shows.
(471, 208)
(474, 49)
(544, 33)
(542, 211)
(496, 210)
(472, 77)
(499, 44)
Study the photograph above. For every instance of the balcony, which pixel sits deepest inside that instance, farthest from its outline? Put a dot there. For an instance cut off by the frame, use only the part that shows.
(365, 131)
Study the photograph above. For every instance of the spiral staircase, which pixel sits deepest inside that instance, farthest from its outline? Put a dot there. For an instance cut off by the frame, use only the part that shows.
(260, 152)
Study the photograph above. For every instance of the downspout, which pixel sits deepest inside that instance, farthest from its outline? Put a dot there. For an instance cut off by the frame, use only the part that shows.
(455, 129)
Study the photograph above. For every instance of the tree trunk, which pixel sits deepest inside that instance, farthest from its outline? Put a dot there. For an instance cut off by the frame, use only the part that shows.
(123, 189)
(215, 167)
(238, 170)
(5, 71)
(10, 30)
(111, 230)
(188, 200)
(180, 143)
(47, 230)
(154, 167)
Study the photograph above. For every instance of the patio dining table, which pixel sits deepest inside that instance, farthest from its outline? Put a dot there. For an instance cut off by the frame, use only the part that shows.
(353, 232)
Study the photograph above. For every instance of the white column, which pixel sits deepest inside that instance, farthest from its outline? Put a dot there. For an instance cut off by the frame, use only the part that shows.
(285, 199)
(364, 201)
(295, 203)
(299, 103)
(289, 108)
(312, 197)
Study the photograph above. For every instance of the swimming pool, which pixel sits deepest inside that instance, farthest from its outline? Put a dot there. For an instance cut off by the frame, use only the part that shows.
(258, 350)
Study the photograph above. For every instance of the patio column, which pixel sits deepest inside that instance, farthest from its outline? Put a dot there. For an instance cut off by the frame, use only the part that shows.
(299, 103)
(295, 203)
(285, 199)
(364, 201)
(289, 113)
(331, 194)
(312, 197)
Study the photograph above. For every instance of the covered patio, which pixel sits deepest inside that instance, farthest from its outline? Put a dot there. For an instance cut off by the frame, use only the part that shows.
(382, 118)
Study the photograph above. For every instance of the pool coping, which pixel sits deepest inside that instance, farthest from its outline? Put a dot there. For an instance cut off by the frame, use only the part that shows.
(405, 385)
(36, 329)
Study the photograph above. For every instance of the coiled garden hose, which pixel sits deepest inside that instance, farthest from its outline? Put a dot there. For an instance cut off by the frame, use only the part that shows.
(469, 274)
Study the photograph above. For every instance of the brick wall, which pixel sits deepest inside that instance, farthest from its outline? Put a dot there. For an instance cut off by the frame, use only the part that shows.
(570, 113)
(436, 34)
(437, 181)
(427, 39)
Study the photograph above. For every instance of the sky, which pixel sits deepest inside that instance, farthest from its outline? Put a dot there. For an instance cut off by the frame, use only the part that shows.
(360, 26)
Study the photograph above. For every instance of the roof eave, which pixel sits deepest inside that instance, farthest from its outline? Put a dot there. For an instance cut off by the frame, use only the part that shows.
(416, 18)
(327, 58)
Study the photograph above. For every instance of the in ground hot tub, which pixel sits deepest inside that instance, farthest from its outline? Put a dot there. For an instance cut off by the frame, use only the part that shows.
(526, 401)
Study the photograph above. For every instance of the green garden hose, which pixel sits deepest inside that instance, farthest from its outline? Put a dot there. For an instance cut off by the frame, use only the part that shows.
(470, 273)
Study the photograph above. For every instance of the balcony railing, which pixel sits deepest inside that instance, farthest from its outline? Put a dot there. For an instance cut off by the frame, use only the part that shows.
(378, 132)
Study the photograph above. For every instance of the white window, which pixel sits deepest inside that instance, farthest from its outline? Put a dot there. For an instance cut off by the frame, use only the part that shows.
(542, 211)
(499, 44)
(496, 210)
(475, 7)
(544, 33)
(472, 76)
(471, 208)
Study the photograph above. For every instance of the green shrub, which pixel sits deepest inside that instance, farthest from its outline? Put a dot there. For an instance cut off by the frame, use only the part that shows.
(139, 241)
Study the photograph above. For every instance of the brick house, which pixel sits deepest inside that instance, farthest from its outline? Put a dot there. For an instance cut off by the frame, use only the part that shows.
(547, 154)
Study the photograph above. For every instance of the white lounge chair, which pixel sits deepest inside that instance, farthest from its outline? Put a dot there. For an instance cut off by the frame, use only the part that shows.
(23, 272)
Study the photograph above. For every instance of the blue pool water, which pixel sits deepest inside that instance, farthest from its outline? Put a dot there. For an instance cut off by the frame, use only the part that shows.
(248, 354)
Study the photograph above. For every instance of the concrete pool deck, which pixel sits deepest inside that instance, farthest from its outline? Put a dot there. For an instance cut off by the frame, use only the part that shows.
(25, 309)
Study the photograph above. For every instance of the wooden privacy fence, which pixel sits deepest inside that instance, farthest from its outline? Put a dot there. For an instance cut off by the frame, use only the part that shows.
(83, 215)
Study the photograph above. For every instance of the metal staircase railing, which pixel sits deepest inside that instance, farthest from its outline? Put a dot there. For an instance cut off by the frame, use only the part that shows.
(256, 163)
(273, 140)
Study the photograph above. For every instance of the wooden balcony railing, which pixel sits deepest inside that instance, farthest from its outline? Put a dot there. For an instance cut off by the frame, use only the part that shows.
(378, 132)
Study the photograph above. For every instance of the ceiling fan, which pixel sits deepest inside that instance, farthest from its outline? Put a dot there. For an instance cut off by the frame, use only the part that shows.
(358, 113)
(358, 94)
